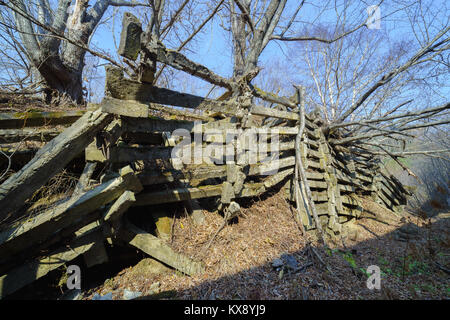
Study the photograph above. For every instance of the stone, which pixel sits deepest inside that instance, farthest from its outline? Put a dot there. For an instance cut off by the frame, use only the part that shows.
(234, 208)
(290, 261)
(197, 213)
(277, 263)
(410, 229)
(148, 266)
(130, 295)
(107, 296)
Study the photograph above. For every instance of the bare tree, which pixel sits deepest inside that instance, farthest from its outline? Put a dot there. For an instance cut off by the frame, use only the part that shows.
(54, 38)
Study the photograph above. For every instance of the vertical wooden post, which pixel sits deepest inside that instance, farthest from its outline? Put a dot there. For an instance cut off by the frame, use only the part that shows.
(333, 192)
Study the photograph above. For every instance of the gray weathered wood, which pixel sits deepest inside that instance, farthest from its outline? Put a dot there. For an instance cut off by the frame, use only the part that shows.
(120, 88)
(44, 225)
(180, 62)
(49, 160)
(28, 134)
(20, 120)
(130, 37)
(31, 271)
(159, 250)
(129, 108)
(84, 179)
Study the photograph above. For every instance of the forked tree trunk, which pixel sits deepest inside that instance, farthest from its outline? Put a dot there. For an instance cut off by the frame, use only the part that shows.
(62, 88)
(60, 63)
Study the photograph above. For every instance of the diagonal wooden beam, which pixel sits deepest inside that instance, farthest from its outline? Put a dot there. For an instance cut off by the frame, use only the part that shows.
(180, 62)
(49, 160)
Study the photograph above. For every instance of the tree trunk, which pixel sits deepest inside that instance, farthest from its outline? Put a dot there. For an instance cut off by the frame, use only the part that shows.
(239, 42)
(62, 72)
(63, 90)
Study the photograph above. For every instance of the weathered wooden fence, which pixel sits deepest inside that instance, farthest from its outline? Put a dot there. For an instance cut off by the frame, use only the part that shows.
(137, 150)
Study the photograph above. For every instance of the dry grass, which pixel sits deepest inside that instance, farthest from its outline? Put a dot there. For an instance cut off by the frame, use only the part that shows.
(238, 264)
(58, 189)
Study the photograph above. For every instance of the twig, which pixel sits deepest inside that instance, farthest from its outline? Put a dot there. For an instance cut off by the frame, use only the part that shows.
(172, 229)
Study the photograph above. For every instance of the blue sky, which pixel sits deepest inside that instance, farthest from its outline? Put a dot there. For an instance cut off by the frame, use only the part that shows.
(213, 46)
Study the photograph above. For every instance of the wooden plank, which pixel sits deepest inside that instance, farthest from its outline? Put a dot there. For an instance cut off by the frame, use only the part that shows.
(179, 113)
(277, 178)
(183, 194)
(97, 253)
(152, 125)
(83, 181)
(159, 250)
(130, 37)
(363, 178)
(317, 184)
(33, 270)
(28, 134)
(346, 188)
(252, 190)
(129, 108)
(131, 154)
(18, 120)
(192, 174)
(388, 203)
(125, 89)
(271, 167)
(119, 207)
(176, 195)
(179, 61)
(274, 113)
(49, 160)
(44, 225)
(394, 187)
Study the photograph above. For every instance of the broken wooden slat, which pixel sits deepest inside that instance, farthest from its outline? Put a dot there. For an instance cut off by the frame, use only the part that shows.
(389, 194)
(193, 174)
(125, 89)
(176, 195)
(28, 134)
(270, 112)
(130, 37)
(20, 120)
(179, 61)
(41, 227)
(114, 214)
(277, 178)
(159, 250)
(85, 177)
(33, 270)
(49, 160)
(129, 108)
(182, 113)
(388, 203)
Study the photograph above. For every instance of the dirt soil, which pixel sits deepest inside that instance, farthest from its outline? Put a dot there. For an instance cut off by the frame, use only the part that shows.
(239, 262)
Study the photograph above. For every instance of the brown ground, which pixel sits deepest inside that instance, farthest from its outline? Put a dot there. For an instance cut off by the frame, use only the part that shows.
(238, 264)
